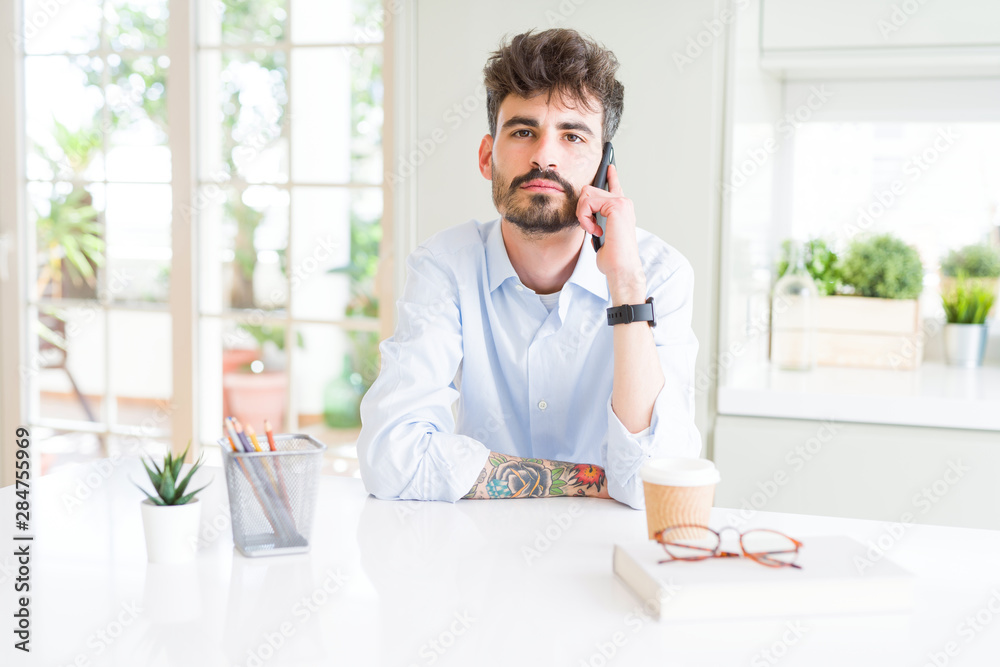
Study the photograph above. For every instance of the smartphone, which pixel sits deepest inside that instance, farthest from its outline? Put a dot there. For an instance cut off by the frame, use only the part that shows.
(601, 181)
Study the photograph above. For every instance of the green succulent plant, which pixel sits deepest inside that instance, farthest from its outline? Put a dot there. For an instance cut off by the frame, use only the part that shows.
(820, 262)
(169, 491)
(975, 261)
(968, 302)
(883, 266)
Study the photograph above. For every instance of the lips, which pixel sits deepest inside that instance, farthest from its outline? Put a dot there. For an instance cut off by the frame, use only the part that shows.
(539, 185)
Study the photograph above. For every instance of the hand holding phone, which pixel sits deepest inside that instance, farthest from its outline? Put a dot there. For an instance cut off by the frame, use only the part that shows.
(601, 181)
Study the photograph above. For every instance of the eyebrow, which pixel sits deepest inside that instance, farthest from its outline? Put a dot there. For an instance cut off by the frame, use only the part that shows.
(565, 125)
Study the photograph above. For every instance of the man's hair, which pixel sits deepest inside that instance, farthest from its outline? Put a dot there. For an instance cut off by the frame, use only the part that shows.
(557, 60)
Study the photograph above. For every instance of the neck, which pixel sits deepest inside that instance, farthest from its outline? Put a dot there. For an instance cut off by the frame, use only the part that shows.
(544, 263)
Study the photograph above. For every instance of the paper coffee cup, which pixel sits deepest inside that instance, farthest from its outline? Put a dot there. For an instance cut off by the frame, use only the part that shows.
(678, 491)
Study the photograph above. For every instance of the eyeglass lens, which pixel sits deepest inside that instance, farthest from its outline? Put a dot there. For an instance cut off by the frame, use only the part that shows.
(696, 543)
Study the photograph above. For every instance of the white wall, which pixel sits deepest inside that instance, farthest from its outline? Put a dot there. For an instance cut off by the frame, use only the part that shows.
(668, 147)
(898, 474)
(12, 231)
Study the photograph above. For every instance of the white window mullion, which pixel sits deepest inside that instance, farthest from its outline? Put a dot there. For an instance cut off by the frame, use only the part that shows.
(108, 413)
(401, 127)
(183, 304)
(291, 329)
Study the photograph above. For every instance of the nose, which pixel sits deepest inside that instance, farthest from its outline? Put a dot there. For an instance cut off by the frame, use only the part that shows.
(546, 155)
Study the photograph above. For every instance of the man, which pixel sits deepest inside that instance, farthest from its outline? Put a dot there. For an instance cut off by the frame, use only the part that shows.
(510, 317)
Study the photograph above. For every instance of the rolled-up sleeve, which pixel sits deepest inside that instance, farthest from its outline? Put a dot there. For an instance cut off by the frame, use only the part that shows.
(407, 448)
(672, 430)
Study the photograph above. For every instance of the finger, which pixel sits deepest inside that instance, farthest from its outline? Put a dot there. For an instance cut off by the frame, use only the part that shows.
(585, 218)
(614, 185)
(585, 210)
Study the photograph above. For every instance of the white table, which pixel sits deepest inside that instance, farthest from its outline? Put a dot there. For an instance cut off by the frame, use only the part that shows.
(411, 583)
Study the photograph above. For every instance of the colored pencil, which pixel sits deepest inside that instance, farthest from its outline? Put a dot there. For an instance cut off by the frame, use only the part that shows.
(242, 434)
(232, 436)
(270, 435)
(281, 477)
(246, 434)
(229, 437)
(267, 464)
(253, 438)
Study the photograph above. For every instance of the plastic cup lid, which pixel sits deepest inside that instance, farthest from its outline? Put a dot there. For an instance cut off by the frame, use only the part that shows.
(679, 472)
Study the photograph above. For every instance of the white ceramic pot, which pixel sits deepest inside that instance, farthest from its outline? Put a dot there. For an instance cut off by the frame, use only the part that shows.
(171, 531)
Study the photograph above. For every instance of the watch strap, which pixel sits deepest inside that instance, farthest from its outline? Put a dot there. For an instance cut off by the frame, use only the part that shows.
(642, 312)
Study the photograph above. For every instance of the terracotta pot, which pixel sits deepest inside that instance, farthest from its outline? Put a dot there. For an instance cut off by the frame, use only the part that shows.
(254, 397)
(234, 360)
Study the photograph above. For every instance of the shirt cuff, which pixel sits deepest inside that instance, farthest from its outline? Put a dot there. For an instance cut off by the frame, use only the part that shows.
(449, 467)
(667, 435)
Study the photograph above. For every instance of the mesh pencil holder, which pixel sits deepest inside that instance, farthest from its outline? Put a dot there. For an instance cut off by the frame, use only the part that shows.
(272, 495)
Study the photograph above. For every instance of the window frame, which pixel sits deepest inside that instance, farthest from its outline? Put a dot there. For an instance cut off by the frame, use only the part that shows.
(183, 304)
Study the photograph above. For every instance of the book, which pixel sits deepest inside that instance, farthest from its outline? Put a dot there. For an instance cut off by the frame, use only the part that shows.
(832, 580)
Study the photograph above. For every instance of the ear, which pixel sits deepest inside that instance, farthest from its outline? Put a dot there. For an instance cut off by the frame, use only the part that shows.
(485, 157)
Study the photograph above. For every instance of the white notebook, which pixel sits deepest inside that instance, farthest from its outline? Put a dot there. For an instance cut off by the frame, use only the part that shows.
(829, 582)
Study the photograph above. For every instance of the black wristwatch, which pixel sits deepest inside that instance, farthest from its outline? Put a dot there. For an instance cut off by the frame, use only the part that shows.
(642, 312)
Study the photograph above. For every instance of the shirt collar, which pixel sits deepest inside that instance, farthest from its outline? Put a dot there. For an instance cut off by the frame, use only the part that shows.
(498, 265)
(585, 273)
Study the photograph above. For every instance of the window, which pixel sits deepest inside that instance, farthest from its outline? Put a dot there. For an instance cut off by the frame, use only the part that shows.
(934, 185)
(825, 165)
(98, 197)
(288, 207)
(290, 204)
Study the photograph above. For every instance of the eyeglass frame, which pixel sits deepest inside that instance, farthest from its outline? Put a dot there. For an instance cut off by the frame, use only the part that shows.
(718, 553)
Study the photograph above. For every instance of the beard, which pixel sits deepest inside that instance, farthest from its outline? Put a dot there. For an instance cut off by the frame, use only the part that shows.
(535, 213)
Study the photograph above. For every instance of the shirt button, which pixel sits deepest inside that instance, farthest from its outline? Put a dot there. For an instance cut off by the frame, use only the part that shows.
(542, 405)
(519, 288)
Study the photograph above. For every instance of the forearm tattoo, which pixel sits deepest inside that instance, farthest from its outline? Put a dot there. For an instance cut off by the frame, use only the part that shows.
(515, 477)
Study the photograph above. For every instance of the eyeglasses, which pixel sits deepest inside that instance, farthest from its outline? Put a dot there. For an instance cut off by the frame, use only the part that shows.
(694, 542)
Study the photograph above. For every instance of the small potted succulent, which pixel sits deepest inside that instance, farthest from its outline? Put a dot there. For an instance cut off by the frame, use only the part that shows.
(171, 517)
(966, 306)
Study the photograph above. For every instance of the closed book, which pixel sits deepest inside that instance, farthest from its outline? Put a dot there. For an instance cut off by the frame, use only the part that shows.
(837, 576)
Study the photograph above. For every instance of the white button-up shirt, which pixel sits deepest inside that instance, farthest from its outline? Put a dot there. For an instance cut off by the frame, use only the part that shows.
(524, 381)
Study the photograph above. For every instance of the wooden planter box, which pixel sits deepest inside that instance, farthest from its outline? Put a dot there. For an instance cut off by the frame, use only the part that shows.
(864, 332)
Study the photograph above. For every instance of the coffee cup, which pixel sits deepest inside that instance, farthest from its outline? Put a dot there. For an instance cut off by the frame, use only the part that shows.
(678, 491)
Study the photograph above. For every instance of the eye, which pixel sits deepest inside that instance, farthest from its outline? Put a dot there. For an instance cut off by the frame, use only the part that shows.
(574, 138)
(517, 133)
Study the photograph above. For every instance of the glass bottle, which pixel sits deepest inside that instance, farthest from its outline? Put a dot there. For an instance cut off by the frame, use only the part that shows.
(794, 307)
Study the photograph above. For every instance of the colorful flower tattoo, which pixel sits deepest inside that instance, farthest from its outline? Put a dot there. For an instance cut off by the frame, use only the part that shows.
(514, 477)
(588, 475)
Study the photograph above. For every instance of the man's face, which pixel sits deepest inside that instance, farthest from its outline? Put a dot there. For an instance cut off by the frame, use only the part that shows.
(543, 155)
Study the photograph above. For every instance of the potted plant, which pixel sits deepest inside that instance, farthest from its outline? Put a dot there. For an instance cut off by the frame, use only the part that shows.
(979, 263)
(255, 390)
(883, 267)
(171, 517)
(880, 330)
(820, 261)
(966, 306)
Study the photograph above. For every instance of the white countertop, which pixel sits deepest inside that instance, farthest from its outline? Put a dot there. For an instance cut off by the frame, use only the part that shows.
(411, 583)
(933, 395)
